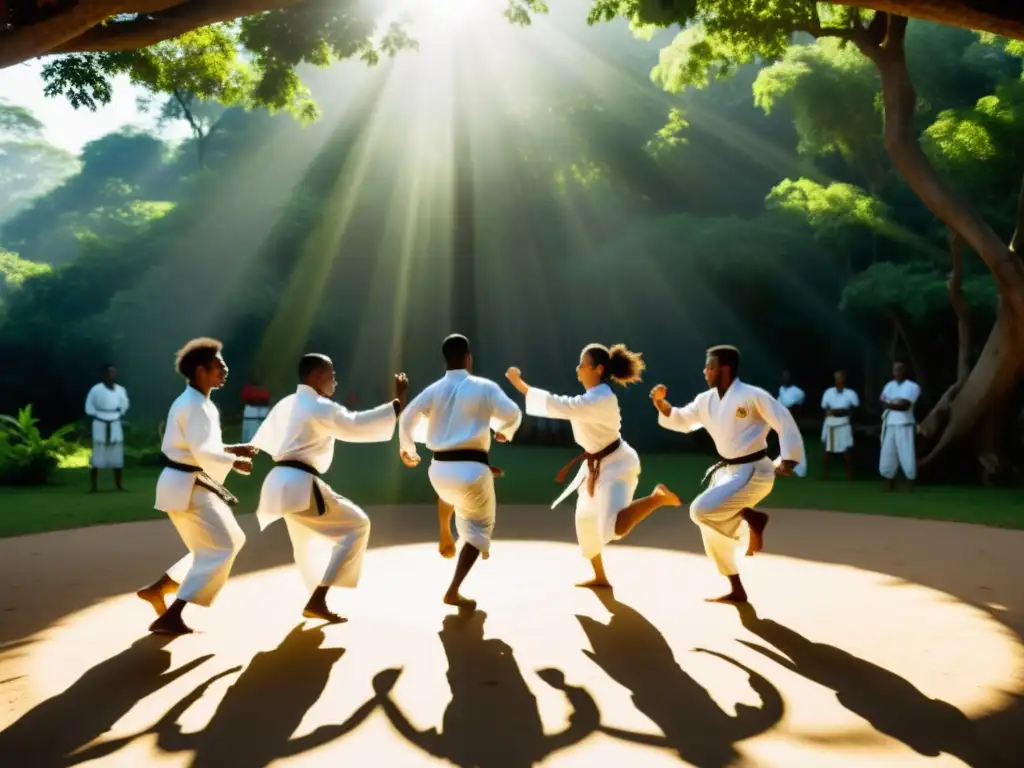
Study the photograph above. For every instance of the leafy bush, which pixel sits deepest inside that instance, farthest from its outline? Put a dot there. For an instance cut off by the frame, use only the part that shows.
(26, 457)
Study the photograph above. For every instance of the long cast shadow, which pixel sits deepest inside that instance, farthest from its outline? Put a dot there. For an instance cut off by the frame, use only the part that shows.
(254, 722)
(635, 654)
(890, 703)
(492, 720)
(50, 733)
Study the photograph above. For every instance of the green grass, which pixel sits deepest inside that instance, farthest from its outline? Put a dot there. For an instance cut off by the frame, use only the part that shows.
(372, 474)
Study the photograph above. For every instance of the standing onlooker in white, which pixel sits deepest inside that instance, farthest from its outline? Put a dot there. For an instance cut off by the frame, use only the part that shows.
(898, 428)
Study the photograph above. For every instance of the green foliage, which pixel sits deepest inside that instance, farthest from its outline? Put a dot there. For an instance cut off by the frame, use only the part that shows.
(14, 271)
(669, 136)
(914, 290)
(26, 457)
(838, 212)
(833, 94)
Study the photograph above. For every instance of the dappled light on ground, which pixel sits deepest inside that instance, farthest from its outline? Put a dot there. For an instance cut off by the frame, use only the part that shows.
(835, 666)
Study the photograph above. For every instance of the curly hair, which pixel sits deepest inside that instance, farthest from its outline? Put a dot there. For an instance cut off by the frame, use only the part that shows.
(621, 365)
(197, 353)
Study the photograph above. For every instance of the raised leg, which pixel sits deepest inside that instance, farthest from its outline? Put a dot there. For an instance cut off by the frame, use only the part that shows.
(155, 594)
(756, 521)
(446, 542)
(640, 509)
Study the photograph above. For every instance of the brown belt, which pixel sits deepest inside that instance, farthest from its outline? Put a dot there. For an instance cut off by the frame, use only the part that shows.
(593, 465)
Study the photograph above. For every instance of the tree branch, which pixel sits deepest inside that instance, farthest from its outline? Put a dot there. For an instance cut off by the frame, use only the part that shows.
(82, 28)
(1002, 18)
(955, 288)
(148, 29)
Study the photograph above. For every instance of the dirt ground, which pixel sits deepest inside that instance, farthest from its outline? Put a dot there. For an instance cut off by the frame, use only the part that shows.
(870, 638)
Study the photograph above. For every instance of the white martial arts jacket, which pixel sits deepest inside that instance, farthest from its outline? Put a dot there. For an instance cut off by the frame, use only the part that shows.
(896, 390)
(739, 422)
(106, 407)
(458, 412)
(303, 427)
(192, 436)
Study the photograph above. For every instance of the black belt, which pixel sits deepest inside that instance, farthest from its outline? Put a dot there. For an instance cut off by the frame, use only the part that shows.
(318, 495)
(750, 458)
(203, 480)
(468, 454)
(109, 426)
(463, 454)
(593, 465)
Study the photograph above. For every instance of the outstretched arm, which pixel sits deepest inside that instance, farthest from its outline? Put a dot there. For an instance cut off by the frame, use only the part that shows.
(541, 403)
(685, 419)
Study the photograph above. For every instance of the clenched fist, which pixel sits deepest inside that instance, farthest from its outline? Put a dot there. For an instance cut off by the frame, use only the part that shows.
(515, 377)
(401, 386)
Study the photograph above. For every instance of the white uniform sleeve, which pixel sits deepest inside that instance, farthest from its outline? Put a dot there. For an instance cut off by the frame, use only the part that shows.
(414, 413)
(778, 417)
(206, 446)
(684, 419)
(376, 425)
(506, 416)
(585, 407)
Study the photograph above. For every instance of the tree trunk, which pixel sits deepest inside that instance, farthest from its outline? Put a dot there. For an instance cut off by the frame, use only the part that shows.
(917, 366)
(933, 425)
(1000, 367)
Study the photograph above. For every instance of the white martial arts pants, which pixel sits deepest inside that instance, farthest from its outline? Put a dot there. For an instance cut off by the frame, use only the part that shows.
(469, 487)
(717, 511)
(329, 548)
(213, 538)
(898, 452)
(107, 456)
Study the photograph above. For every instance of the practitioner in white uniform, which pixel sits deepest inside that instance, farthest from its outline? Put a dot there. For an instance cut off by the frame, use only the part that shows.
(329, 533)
(791, 396)
(838, 403)
(191, 491)
(738, 417)
(610, 469)
(106, 404)
(454, 417)
(898, 428)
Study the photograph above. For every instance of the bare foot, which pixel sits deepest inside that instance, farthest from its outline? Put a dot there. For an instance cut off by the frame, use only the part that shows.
(155, 597)
(669, 499)
(732, 598)
(446, 546)
(322, 613)
(756, 522)
(169, 625)
(595, 584)
(458, 600)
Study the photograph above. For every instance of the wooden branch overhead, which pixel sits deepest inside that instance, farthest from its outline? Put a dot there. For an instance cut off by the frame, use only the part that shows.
(76, 26)
(1002, 17)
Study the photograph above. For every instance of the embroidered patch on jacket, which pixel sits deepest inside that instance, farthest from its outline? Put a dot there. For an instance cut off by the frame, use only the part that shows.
(741, 412)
